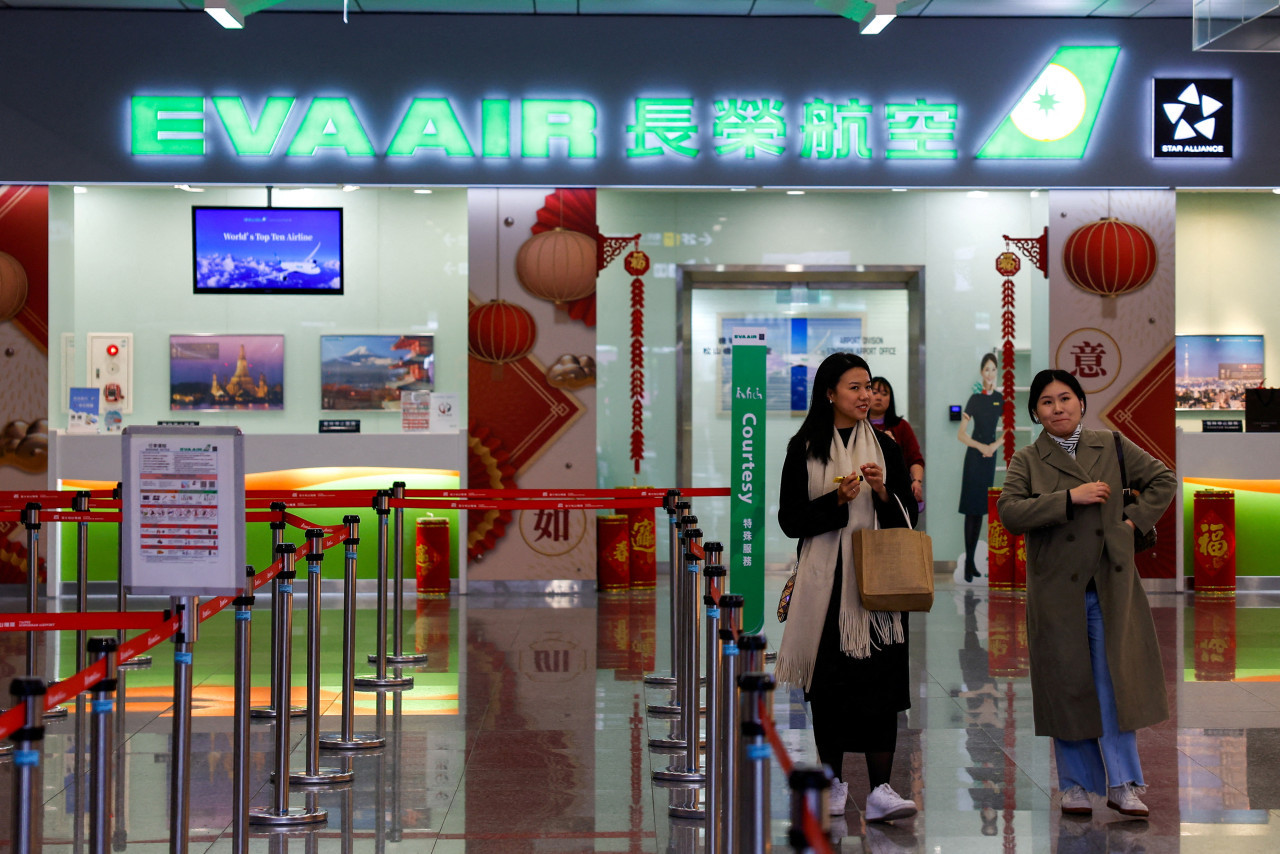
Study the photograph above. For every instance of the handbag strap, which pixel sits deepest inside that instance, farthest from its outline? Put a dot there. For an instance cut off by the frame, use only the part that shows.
(1124, 477)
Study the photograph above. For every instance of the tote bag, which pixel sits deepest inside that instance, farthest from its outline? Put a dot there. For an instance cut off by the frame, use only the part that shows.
(894, 568)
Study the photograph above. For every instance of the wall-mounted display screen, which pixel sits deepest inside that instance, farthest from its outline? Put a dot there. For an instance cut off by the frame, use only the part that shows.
(212, 372)
(267, 250)
(370, 371)
(1212, 371)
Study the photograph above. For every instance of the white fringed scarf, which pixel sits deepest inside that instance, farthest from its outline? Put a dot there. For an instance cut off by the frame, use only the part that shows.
(815, 577)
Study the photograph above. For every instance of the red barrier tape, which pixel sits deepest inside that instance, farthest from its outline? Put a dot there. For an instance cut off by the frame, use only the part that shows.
(88, 622)
(596, 494)
(812, 826)
(546, 503)
(81, 517)
(813, 834)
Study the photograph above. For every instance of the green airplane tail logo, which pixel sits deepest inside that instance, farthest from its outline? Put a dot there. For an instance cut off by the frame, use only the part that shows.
(1054, 118)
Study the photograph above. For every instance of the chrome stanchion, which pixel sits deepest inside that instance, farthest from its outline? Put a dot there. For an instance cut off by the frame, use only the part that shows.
(240, 724)
(349, 739)
(687, 767)
(27, 785)
(686, 604)
(103, 649)
(727, 726)
(138, 662)
(810, 785)
(673, 521)
(680, 604)
(754, 827)
(714, 551)
(398, 655)
(277, 537)
(80, 504)
(120, 833)
(314, 775)
(187, 608)
(280, 814)
(31, 521)
(713, 582)
(381, 681)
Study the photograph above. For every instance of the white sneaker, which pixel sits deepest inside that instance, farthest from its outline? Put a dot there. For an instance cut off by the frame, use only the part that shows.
(837, 797)
(1075, 801)
(884, 804)
(1124, 800)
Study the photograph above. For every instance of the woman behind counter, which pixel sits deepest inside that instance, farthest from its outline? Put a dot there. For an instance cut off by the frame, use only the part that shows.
(839, 476)
(1096, 675)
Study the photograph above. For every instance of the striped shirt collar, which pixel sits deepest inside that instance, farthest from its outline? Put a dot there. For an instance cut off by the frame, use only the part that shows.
(1069, 444)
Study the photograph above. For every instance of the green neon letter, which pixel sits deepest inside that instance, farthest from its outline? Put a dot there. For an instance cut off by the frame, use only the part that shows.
(330, 123)
(430, 123)
(571, 120)
(495, 124)
(148, 124)
(245, 138)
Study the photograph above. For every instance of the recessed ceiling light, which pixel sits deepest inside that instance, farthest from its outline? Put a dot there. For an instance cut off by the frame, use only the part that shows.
(795, 192)
(978, 194)
(1276, 190)
(188, 188)
(350, 188)
(899, 189)
(79, 191)
(1035, 194)
(737, 189)
(423, 191)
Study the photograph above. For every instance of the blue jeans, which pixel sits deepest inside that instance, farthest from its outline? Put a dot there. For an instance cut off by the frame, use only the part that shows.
(1092, 762)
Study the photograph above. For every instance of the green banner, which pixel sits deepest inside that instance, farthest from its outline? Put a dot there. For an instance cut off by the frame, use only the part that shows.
(746, 503)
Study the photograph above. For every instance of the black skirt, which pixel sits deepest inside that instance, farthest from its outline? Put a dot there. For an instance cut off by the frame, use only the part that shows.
(862, 695)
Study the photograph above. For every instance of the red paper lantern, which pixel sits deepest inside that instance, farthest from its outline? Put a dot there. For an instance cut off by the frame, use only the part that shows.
(1109, 257)
(500, 332)
(558, 265)
(13, 286)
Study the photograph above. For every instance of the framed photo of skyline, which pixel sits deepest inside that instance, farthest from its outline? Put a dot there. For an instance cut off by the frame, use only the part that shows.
(1212, 371)
(370, 371)
(217, 372)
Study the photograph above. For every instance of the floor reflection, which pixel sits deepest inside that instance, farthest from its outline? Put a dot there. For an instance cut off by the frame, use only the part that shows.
(527, 730)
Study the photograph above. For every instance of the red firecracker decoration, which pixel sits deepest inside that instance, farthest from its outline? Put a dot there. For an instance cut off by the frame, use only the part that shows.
(637, 264)
(1109, 257)
(1007, 265)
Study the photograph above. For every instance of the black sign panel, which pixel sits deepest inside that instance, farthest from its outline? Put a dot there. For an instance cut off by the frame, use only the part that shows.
(343, 425)
(1191, 117)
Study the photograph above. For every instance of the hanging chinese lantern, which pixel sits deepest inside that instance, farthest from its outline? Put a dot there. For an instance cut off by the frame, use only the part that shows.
(500, 332)
(1109, 257)
(13, 286)
(558, 265)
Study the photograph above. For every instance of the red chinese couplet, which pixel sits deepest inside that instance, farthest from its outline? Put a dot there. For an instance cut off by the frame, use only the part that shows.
(1000, 556)
(1213, 542)
(642, 534)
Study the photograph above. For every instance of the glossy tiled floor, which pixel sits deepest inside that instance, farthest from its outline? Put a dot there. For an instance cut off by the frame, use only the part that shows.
(527, 732)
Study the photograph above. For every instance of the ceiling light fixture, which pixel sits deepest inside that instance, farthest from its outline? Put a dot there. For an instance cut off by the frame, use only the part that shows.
(423, 191)
(977, 194)
(878, 17)
(225, 12)
(79, 191)
(187, 188)
(350, 188)
(795, 192)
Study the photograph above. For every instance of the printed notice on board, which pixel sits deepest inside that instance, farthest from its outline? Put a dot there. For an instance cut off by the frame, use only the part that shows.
(183, 510)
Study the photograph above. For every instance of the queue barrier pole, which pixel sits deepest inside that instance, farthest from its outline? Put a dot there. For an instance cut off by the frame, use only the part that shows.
(688, 770)
(348, 738)
(713, 577)
(100, 782)
(277, 538)
(681, 601)
(27, 784)
(380, 681)
(314, 775)
(137, 662)
(187, 609)
(754, 690)
(730, 628)
(810, 785)
(398, 655)
(280, 814)
(240, 724)
(673, 520)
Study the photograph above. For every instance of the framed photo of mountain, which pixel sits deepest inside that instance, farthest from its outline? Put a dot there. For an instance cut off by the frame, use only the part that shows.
(370, 371)
(215, 372)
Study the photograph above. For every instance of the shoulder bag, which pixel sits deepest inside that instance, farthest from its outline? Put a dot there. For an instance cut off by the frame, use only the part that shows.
(1141, 541)
(894, 567)
(784, 601)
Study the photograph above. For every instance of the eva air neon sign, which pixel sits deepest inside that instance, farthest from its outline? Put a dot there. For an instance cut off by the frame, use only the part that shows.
(1054, 118)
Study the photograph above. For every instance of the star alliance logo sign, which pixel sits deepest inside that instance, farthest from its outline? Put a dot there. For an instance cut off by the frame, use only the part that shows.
(1191, 118)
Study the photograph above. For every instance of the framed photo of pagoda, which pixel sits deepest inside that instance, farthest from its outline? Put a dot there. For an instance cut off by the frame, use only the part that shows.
(369, 372)
(217, 372)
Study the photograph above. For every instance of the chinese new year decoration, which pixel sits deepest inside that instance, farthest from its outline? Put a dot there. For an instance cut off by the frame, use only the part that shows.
(500, 332)
(1213, 546)
(1109, 257)
(13, 286)
(1007, 264)
(637, 264)
(558, 265)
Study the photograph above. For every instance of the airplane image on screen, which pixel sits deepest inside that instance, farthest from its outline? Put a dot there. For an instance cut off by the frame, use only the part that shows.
(305, 267)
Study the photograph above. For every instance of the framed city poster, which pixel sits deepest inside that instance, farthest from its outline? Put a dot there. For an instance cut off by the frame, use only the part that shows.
(370, 371)
(215, 372)
(1212, 371)
(796, 346)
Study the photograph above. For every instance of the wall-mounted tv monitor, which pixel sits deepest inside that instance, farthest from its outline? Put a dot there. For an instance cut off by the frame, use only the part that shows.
(267, 250)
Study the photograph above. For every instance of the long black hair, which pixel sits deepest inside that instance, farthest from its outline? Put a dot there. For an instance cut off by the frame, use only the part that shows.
(815, 431)
(891, 416)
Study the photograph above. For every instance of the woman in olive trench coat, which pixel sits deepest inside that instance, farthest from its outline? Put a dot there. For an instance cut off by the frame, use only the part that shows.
(1069, 544)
